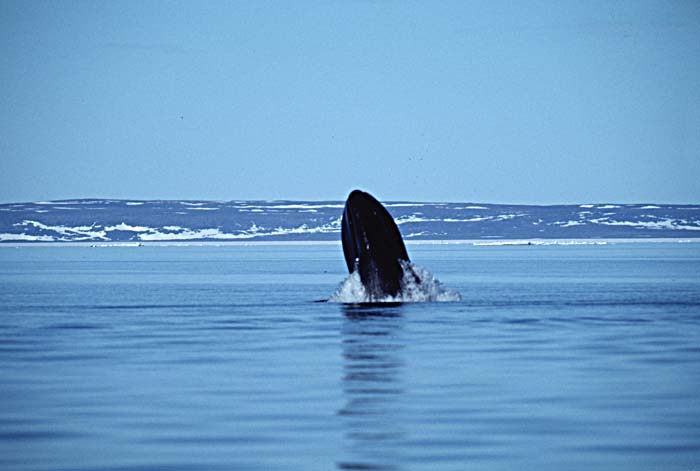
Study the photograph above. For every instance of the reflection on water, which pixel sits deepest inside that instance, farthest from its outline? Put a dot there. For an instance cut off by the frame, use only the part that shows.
(372, 386)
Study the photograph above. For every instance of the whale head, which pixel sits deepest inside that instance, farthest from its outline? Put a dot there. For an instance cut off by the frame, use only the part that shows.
(372, 245)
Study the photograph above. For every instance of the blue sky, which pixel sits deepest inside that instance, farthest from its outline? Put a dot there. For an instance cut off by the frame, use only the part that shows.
(511, 102)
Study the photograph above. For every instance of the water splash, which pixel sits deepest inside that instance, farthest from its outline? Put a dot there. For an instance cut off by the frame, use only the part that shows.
(418, 286)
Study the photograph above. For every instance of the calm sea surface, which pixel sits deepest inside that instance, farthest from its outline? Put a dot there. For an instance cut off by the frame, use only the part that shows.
(218, 358)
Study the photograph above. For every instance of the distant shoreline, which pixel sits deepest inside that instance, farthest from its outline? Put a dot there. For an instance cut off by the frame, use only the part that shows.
(97, 222)
(262, 243)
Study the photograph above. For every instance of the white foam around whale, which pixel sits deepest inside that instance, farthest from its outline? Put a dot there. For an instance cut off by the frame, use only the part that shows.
(424, 287)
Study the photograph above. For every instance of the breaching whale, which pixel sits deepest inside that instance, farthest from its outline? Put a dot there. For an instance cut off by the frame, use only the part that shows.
(373, 246)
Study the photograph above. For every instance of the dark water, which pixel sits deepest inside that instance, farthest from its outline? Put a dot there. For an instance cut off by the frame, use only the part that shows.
(217, 358)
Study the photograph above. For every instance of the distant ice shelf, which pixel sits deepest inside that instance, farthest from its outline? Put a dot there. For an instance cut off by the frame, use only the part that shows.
(133, 221)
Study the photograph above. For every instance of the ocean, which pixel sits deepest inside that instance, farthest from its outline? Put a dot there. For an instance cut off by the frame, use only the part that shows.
(229, 357)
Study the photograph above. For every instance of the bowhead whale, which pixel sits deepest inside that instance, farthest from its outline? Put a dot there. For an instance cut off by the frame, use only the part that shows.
(373, 246)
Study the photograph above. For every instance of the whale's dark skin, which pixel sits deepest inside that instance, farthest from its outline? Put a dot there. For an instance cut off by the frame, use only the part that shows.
(373, 246)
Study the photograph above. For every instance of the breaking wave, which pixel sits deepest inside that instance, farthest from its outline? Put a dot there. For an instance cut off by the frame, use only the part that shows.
(423, 287)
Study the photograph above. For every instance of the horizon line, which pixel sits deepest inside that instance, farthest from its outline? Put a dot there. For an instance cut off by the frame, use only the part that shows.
(387, 201)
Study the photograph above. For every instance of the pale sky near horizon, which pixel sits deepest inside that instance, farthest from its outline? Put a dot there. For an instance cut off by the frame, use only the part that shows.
(539, 102)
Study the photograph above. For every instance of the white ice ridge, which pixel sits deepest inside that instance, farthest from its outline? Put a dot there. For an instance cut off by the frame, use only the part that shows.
(7, 237)
(289, 206)
(253, 232)
(569, 223)
(413, 218)
(87, 202)
(667, 223)
(76, 233)
(122, 226)
(424, 287)
(174, 233)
